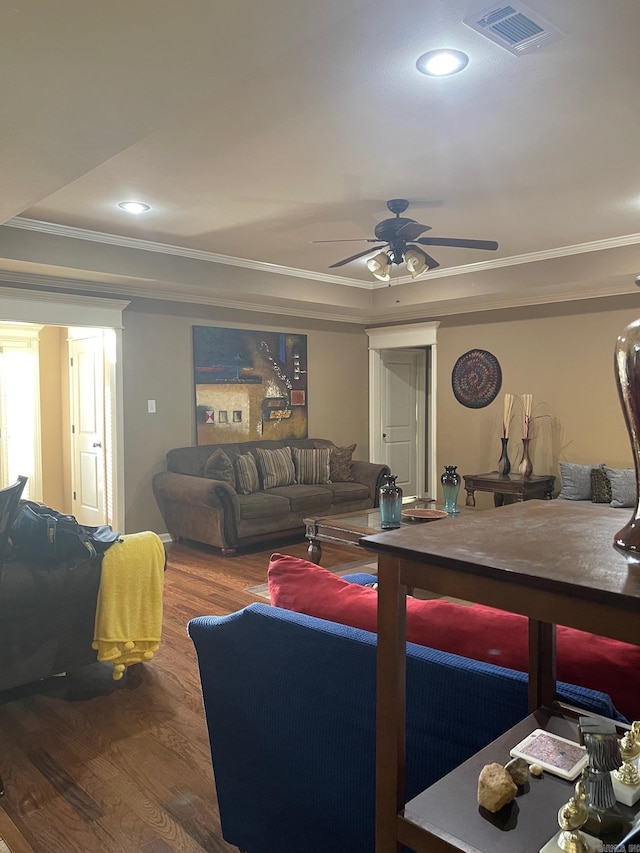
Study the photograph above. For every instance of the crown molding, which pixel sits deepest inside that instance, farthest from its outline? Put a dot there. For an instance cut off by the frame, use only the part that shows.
(261, 266)
(55, 309)
(463, 306)
(62, 298)
(498, 302)
(131, 290)
(177, 251)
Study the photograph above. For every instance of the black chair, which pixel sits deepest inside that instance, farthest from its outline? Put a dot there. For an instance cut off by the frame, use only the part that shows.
(9, 502)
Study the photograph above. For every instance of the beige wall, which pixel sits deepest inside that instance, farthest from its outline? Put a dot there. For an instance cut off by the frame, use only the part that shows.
(157, 359)
(562, 354)
(565, 361)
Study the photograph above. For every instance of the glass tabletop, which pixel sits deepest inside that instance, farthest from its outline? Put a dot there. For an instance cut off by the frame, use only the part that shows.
(369, 519)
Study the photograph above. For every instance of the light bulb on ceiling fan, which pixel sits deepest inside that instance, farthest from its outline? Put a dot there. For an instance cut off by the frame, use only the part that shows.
(378, 265)
(416, 261)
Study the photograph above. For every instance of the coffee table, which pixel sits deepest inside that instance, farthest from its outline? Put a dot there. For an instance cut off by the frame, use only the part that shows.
(350, 527)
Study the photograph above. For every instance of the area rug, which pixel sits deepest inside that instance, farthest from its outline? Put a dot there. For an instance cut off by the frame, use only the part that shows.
(366, 566)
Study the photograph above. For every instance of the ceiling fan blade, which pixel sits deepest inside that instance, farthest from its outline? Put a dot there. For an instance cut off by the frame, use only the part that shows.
(412, 230)
(352, 240)
(456, 241)
(431, 262)
(359, 255)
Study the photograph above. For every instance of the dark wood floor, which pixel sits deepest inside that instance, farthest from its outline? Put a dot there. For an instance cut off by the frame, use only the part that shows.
(94, 765)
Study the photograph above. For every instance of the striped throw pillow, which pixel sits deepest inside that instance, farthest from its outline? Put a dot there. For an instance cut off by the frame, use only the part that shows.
(276, 467)
(246, 474)
(312, 465)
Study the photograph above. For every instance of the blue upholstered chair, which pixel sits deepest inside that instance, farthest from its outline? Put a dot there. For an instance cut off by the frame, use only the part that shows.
(290, 709)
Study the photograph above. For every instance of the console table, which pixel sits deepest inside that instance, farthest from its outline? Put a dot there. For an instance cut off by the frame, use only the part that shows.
(552, 562)
(522, 488)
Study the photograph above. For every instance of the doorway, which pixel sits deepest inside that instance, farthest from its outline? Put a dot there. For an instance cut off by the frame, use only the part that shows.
(402, 369)
(89, 315)
(402, 414)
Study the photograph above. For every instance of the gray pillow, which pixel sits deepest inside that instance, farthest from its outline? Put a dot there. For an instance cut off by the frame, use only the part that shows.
(624, 489)
(576, 481)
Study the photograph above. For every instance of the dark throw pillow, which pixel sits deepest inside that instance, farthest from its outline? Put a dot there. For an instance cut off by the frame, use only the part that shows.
(340, 464)
(219, 467)
(600, 486)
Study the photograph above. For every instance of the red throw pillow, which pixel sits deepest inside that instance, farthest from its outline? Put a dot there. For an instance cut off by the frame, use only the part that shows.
(477, 632)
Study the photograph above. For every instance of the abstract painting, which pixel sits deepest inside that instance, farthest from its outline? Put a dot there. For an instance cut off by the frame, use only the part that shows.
(249, 385)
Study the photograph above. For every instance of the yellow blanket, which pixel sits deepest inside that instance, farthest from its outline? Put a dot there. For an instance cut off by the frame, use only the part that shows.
(128, 623)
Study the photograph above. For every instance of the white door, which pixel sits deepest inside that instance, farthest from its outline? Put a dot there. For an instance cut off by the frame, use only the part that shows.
(403, 417)
(88, 429)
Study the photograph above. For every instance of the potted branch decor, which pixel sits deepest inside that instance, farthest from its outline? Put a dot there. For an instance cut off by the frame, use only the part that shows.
(525, 469)
(504, 465)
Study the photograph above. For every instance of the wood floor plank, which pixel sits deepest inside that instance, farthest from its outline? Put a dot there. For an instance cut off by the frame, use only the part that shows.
(92, 765)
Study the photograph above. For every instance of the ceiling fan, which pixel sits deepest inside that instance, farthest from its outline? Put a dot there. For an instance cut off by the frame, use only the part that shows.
(397, 237)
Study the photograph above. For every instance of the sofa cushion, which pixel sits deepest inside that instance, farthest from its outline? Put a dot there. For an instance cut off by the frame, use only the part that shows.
(261, 505)
(219, 467)
(305, 498)
(340, 464)
(246, 474)
(624, 489)
(346, 492)
(311, 464)
(276, 467)
(576, 481)
(477, 632)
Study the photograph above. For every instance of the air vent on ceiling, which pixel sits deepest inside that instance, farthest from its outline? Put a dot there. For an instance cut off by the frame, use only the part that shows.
(514, 27)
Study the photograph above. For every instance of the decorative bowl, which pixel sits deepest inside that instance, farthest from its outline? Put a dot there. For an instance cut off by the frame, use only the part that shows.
(424, 514)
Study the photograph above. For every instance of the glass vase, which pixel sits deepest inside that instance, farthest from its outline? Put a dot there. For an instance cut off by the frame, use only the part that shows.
(525, 468)
(390, 503)
(504, 465)
(627, 369)
(450, 481)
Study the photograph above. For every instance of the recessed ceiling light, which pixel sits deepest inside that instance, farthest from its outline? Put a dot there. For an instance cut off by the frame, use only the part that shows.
(440, 63)
(134, 206)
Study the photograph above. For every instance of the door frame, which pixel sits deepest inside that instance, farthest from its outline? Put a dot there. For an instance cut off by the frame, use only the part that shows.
(62, 309)
(410, 336)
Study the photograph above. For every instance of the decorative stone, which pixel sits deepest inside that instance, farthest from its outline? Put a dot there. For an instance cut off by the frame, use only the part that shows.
(536, 770)
(496, 788)
(518, 769)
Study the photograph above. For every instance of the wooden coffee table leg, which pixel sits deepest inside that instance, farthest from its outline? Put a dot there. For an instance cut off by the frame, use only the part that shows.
(314, 551)
(471, 500)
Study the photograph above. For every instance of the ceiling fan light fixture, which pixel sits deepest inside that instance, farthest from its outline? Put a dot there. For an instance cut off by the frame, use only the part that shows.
(378, 265)
(442, 63)
(416, 262)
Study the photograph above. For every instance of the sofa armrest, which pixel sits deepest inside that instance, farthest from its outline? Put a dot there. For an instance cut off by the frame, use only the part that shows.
(197, 508)
(370, 474)
(198, 491)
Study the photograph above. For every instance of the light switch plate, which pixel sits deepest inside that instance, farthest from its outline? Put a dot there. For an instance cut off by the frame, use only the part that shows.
(151, 407)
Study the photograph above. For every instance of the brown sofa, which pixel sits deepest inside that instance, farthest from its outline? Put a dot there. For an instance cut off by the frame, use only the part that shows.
(212, 511)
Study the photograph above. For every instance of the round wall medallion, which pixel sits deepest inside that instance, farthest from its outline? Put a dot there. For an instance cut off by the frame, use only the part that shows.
(476, 378)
